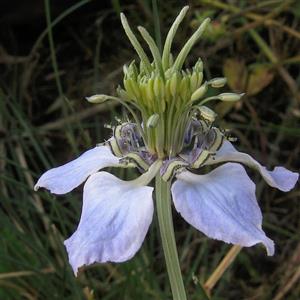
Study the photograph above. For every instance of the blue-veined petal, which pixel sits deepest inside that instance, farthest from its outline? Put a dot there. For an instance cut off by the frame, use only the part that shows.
(280, 177)
(115, 218)
(65, 178)
(222, 204)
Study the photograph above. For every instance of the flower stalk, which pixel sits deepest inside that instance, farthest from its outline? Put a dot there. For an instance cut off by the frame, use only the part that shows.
(164, 213)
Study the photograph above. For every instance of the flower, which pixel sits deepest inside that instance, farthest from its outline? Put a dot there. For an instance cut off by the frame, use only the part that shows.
(172, 134)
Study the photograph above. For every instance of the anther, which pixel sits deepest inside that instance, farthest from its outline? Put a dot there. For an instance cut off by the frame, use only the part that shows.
(217, 82)
(207, 114)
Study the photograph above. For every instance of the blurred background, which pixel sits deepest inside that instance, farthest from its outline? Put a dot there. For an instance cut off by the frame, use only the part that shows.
(53, 54)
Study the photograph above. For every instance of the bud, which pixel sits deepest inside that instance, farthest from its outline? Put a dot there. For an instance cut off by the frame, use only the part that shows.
(218, 82)
(100, 98)
(199, 93)
(230, 97)
(207, 113)
(152, 121)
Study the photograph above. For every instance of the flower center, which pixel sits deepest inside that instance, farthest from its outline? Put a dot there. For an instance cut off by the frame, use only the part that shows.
(200, 141)
(165, 94)
(165, 101)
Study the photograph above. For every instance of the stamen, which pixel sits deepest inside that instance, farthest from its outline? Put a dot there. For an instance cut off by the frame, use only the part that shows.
(137, 159)
(228, 136)
(200, 159)
(115, 147)
(199, 93)
(170, 167)
(205, 141)
(217, 82)
(207, 114)
(227, 97)
(153, 121)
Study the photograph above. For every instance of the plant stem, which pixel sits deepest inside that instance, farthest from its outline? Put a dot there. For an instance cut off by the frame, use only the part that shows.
(164, 213)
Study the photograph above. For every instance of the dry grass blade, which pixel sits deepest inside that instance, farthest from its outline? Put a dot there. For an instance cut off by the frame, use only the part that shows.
(25, 273)
(76, 117)
(222, 267)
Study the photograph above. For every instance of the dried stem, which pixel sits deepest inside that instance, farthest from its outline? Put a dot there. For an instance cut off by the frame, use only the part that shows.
(222, 267)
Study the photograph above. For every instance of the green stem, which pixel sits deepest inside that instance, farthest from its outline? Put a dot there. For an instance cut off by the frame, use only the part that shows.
(164, 213)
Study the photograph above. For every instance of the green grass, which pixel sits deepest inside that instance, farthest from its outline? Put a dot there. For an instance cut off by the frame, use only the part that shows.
(45, 121)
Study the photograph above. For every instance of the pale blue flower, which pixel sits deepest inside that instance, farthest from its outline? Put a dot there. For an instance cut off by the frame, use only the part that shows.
(173, 133)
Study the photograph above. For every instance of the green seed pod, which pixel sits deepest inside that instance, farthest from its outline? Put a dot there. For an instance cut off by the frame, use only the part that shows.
(200, 92)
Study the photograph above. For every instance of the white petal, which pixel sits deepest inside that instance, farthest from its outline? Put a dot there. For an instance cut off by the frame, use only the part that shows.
(222, 204)
(65, 178)
(280, 177)
(115, 218)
